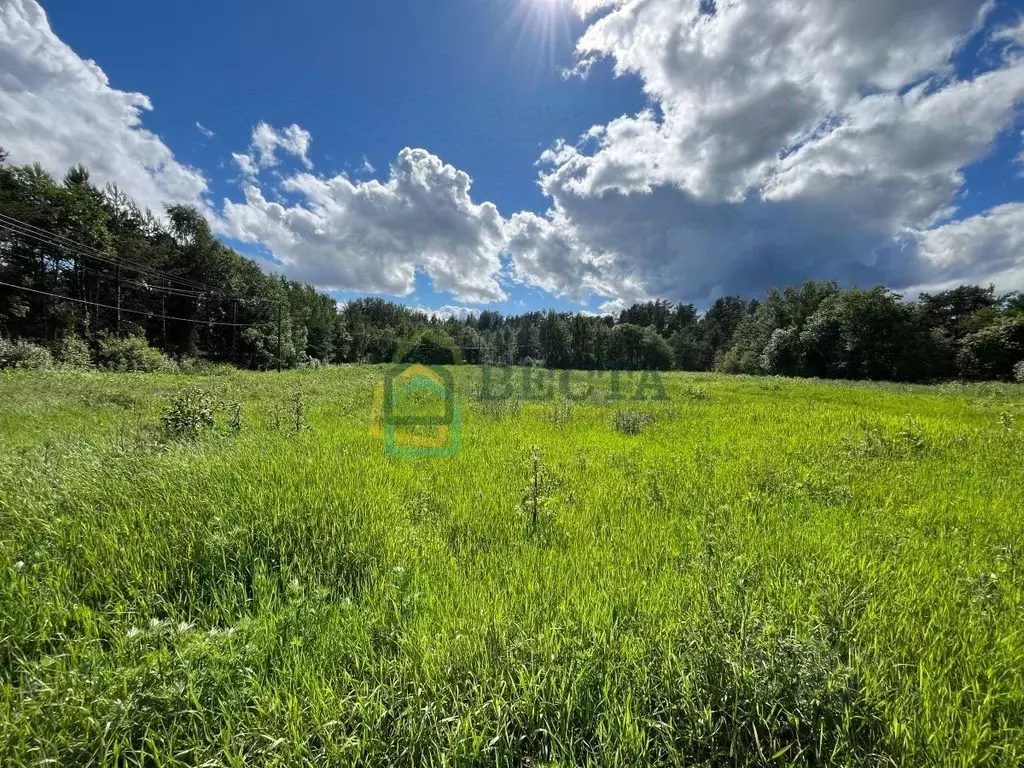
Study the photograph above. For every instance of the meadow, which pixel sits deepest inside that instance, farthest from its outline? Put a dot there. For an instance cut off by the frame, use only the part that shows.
(755, 571)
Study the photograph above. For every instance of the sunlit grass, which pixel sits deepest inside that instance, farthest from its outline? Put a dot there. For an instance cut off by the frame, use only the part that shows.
(754, 572)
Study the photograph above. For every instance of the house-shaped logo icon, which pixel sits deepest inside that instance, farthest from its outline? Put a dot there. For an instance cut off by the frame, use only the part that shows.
(415, 409)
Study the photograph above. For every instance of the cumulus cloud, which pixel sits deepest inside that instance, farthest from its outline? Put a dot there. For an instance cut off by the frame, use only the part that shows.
(293, 140)
(265, 143)
(58, 109)
(446, 312)
(373, 236)
(550, 255)
(783, 141)
(1011, 34)
(245, 164)
(978, 249)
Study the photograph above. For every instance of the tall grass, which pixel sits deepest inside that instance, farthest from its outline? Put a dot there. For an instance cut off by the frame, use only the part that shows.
(770, 573)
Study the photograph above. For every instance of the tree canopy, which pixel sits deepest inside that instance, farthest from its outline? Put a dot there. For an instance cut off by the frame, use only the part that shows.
(77, 261)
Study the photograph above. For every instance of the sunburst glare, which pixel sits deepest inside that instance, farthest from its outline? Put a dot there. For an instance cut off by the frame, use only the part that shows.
(543, 28)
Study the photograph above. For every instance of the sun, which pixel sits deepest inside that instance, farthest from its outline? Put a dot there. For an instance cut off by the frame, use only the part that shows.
(545, 26)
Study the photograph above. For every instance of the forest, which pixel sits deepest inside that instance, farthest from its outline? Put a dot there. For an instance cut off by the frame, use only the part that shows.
(86, 274)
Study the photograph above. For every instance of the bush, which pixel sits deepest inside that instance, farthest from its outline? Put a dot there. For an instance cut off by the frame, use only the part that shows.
(305, 362)
(25, 355)
(562, 413)
(991, 352)
(1018, 371)
(71, 352)
(130, 354)
(696, 393)
(189, 415)
(195, 366)
(631, 422)
(500, 409)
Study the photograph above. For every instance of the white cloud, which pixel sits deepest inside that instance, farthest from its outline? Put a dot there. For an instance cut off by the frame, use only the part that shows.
(446, 312)
(292, 140)
(59, 109)
(735, 88)
(204, 130)
(1012, 34)
(373, 236)
(266, 141)
(978, 249)
(245, 164)
(550, 255)
(784, 140)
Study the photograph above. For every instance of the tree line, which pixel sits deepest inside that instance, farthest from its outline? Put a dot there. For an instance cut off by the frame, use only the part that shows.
(88, 263)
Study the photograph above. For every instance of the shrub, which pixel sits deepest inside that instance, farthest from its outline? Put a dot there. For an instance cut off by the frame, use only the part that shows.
(500, 409)
(631, 422)
(71, 352)
(1018, 371)
(562, 413)
(696, 393)
(189, 415)
(236, 415)
(23, 354)
(990, 353)
(195, 366)
(878, 440)
(130, 354)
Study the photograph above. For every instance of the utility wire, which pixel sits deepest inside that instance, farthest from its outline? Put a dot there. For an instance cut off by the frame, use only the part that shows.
(24, 229)
(152, 316)
(59, 241)
(86, 250)
(142, 270)
(180, 292)
(149, 315)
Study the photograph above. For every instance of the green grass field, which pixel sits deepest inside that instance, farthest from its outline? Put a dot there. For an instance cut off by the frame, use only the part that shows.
(770, 572)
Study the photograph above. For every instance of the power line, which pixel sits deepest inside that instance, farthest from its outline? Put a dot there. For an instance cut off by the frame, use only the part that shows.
(149, 315)
(59, 241)
(24, 229)
(143, 270)
(180, 292)
(153, 316)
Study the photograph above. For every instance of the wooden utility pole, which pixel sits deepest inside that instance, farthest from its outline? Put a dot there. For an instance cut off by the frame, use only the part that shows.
(234, 331)
(80, 264)
(117, 276)
(209, 325)
(279, 311)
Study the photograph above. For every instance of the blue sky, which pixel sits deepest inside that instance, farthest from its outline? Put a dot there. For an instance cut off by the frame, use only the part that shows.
(731, 147)
(477, 82)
